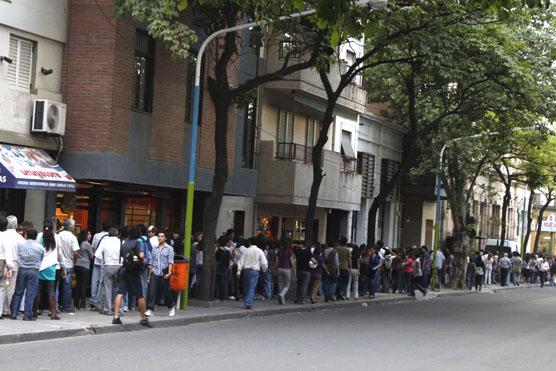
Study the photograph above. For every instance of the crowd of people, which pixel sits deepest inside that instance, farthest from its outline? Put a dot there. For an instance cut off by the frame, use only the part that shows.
(292, 271)
(122, 269)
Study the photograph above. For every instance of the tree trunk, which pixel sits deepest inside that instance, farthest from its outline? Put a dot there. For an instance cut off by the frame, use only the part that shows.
(549, 199)
(315, 186)
(505, 205)
(529, 221)
(212, 209)
(317, 159)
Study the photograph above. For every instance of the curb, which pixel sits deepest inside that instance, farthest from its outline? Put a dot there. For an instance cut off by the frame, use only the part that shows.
(493, 291)
(176, 322)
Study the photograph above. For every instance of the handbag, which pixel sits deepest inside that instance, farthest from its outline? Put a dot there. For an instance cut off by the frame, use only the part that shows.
(313, 263)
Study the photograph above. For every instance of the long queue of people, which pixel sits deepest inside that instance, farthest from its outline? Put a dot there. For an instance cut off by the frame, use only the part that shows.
(293, 271)
(499, 268)
(131, 267)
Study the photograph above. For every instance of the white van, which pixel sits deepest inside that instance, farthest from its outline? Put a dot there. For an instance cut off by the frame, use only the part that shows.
(492, 245)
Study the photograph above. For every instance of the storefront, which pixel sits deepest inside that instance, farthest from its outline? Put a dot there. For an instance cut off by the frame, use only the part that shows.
(121, 204)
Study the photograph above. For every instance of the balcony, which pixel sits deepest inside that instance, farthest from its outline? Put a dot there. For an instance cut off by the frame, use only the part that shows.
(308, 81)
(286, 175)
(293, 151)
(348, 165)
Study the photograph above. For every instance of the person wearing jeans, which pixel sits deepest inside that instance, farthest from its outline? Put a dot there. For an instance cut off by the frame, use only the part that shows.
(283, 267)
(97, 287)
(344, 258)
(30, 254)
(252, 261)
(109, 253)
(69, 246)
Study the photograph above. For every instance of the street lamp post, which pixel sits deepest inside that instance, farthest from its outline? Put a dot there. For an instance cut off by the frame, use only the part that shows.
(372, 4)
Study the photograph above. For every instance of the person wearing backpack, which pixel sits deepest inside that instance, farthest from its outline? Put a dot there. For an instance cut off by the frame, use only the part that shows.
(331, 273)
(129, 279)
(386, 271)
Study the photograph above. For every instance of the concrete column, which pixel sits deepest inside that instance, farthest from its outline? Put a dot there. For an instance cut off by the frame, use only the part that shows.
(50, 205)
(348, 224)
(35, 211)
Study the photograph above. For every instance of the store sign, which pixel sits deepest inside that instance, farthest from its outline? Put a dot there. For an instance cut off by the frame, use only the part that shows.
(548, 226)
(32, 168)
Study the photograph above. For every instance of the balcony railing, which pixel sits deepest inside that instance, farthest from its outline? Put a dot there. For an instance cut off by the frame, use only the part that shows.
(348, 165)
(293, 152)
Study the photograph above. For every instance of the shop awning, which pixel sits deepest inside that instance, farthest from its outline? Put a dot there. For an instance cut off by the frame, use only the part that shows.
(32, 168)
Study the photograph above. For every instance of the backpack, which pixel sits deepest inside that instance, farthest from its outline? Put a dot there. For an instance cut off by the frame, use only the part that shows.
(132, 263)
(330, 262)
(387, 264)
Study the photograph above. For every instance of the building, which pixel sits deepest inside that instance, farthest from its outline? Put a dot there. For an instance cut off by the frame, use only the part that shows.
(32, 39)
(485, 212)
(128, 130)
(289, 127)
(378, 158)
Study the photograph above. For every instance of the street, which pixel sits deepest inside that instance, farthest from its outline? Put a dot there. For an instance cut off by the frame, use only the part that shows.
(486, 331)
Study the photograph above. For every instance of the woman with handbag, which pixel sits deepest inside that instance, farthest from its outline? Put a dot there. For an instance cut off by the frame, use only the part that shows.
(316, 267)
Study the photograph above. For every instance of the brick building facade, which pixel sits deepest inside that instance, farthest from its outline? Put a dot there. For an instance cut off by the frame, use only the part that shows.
(128, 131)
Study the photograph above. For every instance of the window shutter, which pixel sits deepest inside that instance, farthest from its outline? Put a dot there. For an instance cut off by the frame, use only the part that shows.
(310, 133)
(367, 169)
(289, 127)
(281, 126)
(19, 71)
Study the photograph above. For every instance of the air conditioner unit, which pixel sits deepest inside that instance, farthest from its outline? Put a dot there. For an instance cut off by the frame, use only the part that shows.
(48, 117)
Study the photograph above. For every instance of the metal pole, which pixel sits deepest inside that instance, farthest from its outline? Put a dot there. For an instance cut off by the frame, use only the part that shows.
(523, 217)
(435, 283)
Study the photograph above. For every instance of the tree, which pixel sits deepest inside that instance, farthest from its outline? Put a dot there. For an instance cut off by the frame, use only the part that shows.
(457, 83)
(406, 23)
(166, 20)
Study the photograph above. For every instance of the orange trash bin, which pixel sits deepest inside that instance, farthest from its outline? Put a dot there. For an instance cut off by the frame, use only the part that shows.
(180, 276)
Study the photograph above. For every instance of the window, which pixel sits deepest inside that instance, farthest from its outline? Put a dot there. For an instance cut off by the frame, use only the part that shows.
(285, 127)
(143, 72)
(313, 132)
(288, 46)
(366, 167)
(20, 71)
(351, 58)
(388, 170)
(347, 149)
(249, 123)
(191, 65)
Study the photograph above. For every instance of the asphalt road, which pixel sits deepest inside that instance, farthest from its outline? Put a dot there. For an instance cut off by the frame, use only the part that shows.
(510, 330)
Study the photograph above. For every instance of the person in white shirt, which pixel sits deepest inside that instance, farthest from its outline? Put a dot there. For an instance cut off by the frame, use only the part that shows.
(152, 233)
(252, 261)
(68, 248)
(108, 252)
(10, 240)
(97, 285)
(440, 267)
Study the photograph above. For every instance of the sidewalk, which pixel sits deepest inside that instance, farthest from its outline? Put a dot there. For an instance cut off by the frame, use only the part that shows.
(82, 323)
(85, 322)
